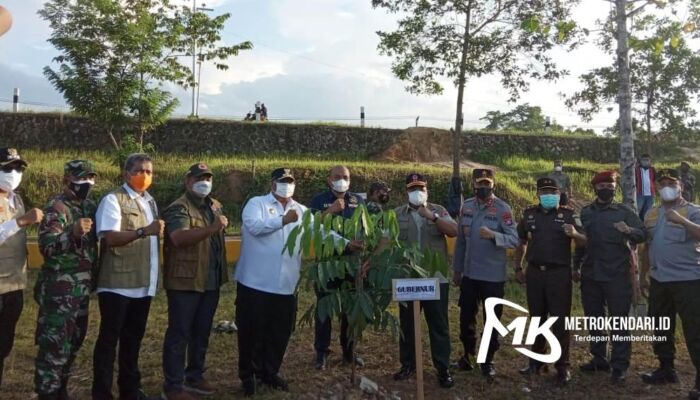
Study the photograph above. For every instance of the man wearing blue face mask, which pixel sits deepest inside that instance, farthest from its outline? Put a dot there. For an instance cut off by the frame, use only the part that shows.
(546, 231)
(337, 200)
(194, 270)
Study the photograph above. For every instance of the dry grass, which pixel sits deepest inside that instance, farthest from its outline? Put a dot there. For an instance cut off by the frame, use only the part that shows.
(379, 350)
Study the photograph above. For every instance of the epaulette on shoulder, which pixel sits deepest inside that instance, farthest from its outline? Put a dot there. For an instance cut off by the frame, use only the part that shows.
(566, 207)
(532, 207)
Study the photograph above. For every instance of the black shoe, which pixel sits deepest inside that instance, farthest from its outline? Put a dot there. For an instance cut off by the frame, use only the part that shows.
(694, 393)
(531, 370)
(249, 387)
(618, 376)
(660, 376)
(563, 377)
(445, 379)
(464, 364)
(349, 358)
(404, 373)
(488, 371)
(593, 366)
(276, 382)
(321, 361)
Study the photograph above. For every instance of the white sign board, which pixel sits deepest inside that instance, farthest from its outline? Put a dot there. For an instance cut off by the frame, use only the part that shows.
(416, 289)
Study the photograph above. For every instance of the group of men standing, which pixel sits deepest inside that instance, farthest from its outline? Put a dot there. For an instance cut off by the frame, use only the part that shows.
(128, 225)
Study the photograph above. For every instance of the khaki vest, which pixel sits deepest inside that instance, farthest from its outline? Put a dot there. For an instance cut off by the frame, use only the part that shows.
(187, 268)
(431, 237)
(13, 252)
(128, 266)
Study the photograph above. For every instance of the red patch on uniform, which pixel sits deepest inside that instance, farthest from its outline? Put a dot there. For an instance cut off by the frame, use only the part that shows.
(507, 218)
(202, 166)
(493, 210)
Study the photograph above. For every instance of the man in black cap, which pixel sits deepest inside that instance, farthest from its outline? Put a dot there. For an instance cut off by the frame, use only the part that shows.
(377, 197)
(193, 272)
(673, 234)
(427, 225)
(546, 231)
(266, 280)
(13, 247)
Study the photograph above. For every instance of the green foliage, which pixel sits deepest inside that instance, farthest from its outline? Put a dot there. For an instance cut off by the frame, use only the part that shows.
(130, 145)
(363, 298)
(115, 55)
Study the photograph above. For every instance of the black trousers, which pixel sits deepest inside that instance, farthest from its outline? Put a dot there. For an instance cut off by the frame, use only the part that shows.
(190, 316)
(616, 295)
(265, 323)
(472, 293)
(666, 299)
(323, 329)
(549, 295)
(438, 331)
(122, 321)
(11, 304)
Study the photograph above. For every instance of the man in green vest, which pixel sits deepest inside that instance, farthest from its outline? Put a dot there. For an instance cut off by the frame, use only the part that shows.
(194, 270)
(128, 228)
(13, 247)
(426, 224)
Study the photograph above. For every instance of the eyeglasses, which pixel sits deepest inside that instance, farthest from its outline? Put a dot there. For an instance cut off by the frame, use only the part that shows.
(13, 167)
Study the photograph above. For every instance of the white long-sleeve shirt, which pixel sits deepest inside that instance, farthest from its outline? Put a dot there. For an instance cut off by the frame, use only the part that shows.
(10, 227)
(262, 265)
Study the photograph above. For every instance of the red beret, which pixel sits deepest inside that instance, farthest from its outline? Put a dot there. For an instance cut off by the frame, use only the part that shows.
(604, 177)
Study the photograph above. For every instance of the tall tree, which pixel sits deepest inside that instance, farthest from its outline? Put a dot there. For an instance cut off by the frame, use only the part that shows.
(115, 56)
(458, 39)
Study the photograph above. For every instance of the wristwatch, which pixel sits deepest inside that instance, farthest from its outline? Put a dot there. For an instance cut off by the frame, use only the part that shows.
(435, 217)
(141, 233)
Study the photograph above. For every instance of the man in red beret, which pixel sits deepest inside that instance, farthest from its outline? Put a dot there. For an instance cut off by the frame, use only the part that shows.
(603, 267)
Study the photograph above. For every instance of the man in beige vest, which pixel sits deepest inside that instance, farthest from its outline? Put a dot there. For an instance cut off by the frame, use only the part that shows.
(13, 247)
(426, 225)
(128, 228)
(193, 272)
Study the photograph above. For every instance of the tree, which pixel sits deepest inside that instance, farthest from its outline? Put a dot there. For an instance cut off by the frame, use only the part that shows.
(664, 79)
(366, 301)
(117, 54)
(458, 39)
(523, 118)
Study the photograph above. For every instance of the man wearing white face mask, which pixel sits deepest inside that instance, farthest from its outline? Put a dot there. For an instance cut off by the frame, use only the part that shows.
(673, 234)
(267, 278)
(338, 201)
(194, 270)
(563, 182)
(13, 247)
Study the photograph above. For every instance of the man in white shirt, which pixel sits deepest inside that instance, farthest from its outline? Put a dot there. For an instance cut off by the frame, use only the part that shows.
(13, 247)
(645, 177)
(128, 228)
(267, 278)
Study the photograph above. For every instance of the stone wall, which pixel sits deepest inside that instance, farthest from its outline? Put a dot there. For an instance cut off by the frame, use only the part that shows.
(57, 131)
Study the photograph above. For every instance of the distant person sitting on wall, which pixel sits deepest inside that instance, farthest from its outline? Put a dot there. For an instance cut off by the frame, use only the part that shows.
(263, 112)
(249, 117)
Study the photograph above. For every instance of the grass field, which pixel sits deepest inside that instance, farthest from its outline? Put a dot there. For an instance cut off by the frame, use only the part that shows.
(379, 350)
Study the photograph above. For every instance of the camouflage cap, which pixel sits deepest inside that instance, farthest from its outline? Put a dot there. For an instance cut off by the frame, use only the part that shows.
(8, 155)
(79, 168)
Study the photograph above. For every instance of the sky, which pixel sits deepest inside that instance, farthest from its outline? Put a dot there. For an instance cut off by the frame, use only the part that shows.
(313, 60)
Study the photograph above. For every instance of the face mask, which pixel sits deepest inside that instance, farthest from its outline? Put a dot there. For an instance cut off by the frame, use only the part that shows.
(9, 181)
(82, 188)
(557, 168)
(549, 201)
(605, 195)
(418, 197)
(341, 185)
(384, 198)
(140, 182)
(483, 193)
(285, 190)
(669, 193)
(201, 188)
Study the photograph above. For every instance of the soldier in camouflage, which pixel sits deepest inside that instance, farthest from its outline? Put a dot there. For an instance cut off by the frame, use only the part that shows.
(68, 243)
(377, 197)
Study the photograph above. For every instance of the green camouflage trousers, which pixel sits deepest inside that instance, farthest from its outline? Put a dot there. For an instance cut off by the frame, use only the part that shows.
(61, 327)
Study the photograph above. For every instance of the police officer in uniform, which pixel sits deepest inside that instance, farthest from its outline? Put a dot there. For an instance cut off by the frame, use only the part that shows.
(426, 224)
(546, 231)
(610, 229)
(338, 201)
(673, 229)
(486, 229)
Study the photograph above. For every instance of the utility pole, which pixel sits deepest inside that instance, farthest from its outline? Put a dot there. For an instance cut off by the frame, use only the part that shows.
(195, 81)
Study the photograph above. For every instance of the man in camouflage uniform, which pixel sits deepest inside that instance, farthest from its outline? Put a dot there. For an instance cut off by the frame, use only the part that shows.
(69, 246)
(377, 197)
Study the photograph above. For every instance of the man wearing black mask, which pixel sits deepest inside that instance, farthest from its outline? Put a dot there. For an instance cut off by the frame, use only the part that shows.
(377, 197)
(605, 277)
